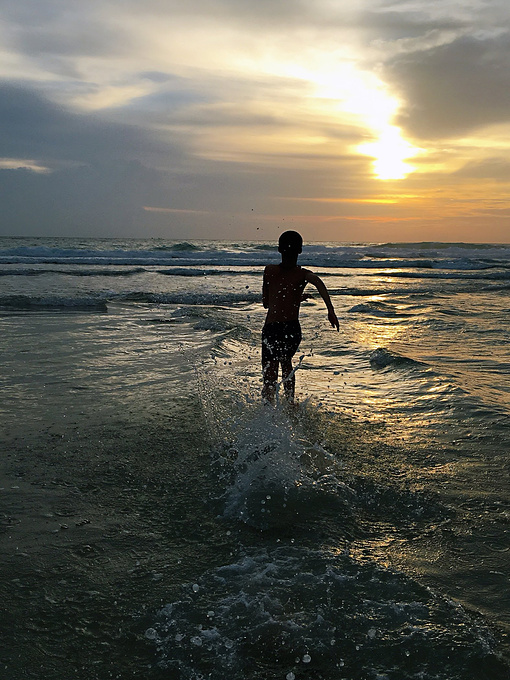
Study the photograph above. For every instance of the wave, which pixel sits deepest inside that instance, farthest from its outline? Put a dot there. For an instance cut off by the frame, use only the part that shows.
(27, 303)
(492, 276)
(378, 309)
(357, 256)
(124, 258)
(100, 300)
(185, 245)
(185, 271)
(72, 272)
(264, 246)
(183, 298)
(443, 245)
(384, 358)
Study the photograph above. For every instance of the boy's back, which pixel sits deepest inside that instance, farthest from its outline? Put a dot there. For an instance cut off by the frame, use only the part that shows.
(282, 291)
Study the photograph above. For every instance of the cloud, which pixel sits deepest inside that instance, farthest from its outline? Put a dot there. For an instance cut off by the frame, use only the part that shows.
(451, 90)
(86, 200)
(50, 37)
(100, 171)
(268, 14)
(490, 168)
(102, 176)
(36, 128)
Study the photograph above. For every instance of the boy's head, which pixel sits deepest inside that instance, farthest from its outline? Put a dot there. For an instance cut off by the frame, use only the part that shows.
(290, 243)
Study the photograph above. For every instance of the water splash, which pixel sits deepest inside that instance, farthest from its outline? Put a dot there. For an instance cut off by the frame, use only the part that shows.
(296, 613)
(273, 472)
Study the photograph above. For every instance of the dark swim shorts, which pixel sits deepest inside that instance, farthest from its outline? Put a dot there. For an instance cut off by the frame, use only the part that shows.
(280, 340)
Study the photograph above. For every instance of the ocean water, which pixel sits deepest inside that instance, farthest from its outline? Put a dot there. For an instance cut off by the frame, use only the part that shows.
(158, 521)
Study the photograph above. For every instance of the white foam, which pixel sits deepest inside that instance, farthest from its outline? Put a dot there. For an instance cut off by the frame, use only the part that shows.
(295, 608)
(366, 256)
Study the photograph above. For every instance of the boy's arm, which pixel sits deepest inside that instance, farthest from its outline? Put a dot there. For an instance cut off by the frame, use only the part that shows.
(323, 291)
(265, 290)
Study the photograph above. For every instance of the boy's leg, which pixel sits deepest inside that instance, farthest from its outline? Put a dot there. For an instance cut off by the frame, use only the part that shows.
(270, 377)
(289, 383)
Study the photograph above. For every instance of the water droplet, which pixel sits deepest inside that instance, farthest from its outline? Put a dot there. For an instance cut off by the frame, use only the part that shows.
(196, 587)
(307, 658)
(290, 676)
(151, 634)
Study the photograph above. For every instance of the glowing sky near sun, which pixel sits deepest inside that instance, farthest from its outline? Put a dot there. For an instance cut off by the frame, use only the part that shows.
(347, 120)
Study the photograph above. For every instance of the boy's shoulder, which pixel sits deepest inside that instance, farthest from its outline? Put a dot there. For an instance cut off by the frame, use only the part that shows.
(276, 270)
(308, 274)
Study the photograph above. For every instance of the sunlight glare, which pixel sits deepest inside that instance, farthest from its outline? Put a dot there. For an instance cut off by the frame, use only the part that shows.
(346, 90)
(368, 99)
(23, 163)
(390, 152)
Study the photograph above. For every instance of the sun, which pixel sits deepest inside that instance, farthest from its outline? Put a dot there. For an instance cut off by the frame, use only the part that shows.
(390, 153)
(349, 91)
(363, 95)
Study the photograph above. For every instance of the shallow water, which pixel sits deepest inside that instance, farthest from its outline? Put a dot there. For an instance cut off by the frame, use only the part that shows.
(158, 521)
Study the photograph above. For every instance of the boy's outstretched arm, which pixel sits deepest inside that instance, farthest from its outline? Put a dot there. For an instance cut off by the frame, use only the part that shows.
(323, 291)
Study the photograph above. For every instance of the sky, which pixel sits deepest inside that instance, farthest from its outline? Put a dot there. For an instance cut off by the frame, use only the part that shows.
(347, 120)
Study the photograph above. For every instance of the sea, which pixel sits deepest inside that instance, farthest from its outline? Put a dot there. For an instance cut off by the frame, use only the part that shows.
(159, 521)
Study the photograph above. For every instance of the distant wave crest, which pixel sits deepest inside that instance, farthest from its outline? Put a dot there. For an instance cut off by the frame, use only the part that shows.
(383, 358)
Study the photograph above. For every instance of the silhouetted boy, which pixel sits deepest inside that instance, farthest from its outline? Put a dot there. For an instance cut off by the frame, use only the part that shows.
(282, 294)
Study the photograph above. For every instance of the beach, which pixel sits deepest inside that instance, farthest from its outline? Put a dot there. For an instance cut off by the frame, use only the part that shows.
(157, 520)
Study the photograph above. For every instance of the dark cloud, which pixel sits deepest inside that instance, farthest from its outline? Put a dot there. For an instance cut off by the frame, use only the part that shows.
(393, 25)
(490, 168)
(176, 99)
(101, 171)
(48, 30)
(455, 88)
(36, 128)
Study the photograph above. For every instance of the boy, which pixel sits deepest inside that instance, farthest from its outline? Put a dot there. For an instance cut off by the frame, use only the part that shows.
(282, 294)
